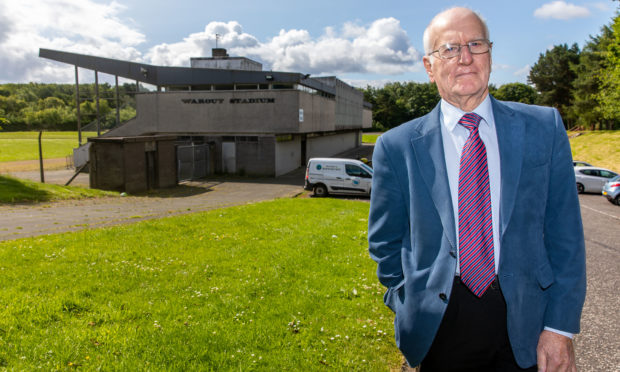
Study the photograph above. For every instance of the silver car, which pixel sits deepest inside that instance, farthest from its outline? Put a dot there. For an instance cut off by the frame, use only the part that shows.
(592, 179)
(611, 190)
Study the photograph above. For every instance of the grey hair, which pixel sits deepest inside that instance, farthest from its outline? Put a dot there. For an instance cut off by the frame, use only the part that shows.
(426, 38)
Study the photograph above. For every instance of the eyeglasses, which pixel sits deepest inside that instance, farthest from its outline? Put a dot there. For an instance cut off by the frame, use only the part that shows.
(449, 50)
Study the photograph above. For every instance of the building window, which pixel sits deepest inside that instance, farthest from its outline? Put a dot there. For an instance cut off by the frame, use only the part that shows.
(263, 86)
(282, 86)
(201, 87)
(246, 86)
(247, 138)
(224, 87)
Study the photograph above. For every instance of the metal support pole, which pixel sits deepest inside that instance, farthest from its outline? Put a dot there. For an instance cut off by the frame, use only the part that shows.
(118, 106)
(41, 158)
(137, 86)
(97, 101)
(77, 103)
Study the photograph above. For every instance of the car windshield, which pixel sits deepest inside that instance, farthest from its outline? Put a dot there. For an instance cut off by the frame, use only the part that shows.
(615, 179)
(367, 168)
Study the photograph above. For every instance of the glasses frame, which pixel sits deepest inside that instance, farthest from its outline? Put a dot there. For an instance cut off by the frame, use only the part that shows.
(460, 48)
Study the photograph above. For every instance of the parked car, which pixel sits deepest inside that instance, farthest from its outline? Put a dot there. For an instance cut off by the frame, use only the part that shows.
(579, 163)
(338, 176)
(592, 179)
(611, 190)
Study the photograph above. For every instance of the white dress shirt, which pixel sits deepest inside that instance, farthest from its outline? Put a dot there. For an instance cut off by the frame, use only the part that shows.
(454, 136)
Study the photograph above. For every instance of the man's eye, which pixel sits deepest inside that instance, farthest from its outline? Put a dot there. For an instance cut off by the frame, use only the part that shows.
(450, 48)
(475, 43)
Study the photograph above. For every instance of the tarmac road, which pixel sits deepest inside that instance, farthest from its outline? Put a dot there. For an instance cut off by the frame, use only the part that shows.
(598, 345)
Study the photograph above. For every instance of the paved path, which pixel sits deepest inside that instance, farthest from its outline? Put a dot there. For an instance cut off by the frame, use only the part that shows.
(24, 220)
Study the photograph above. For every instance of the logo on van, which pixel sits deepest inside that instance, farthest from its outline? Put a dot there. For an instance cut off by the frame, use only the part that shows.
(318, 167)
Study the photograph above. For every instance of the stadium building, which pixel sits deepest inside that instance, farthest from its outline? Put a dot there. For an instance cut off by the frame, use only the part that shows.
(221, 115)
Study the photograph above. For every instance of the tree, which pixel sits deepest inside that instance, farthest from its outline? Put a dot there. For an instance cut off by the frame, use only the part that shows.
(609, 94)
(517, 92)
(553, 77)
(586, 86)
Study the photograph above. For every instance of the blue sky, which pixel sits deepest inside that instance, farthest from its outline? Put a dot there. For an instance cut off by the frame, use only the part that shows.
(361, 42)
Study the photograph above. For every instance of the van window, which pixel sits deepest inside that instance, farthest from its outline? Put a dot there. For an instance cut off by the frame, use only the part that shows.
(354, 170)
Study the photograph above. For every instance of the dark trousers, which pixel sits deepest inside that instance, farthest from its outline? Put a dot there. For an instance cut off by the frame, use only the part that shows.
(473, 335)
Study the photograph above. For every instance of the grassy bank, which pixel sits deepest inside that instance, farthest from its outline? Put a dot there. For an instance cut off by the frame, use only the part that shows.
(13, 190)
(282, 285)
(600, 148)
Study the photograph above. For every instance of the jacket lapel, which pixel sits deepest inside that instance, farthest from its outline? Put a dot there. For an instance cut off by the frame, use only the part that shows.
(428, 148)
(510, 136)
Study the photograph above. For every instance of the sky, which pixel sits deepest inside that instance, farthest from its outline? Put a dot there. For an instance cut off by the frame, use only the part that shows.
(361, 42)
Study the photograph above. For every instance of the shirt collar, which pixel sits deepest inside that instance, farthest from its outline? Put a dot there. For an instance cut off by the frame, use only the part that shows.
(451, 114)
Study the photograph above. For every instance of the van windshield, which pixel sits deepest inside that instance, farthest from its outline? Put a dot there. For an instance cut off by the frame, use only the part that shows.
(367, 168)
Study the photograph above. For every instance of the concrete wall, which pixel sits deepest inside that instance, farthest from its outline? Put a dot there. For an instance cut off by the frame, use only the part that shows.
(271, 111)
(367, 118)
(121, 164)
(288, 155)
(331, 145)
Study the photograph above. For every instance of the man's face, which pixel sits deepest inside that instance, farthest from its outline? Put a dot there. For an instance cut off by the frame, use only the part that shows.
(464, 78)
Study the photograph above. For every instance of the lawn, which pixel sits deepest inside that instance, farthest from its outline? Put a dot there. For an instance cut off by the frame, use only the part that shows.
(25, 145)
(281, 285)
(14, 190)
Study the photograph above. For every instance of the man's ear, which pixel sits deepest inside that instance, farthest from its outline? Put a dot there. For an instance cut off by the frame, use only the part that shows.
(429, 68)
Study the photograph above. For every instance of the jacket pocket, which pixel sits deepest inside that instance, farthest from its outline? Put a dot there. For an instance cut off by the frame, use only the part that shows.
(391, 297)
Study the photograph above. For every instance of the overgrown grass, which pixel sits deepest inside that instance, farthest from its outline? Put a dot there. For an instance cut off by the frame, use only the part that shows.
(599, 148)
(25, 145)
(13, 190)
(281, 285)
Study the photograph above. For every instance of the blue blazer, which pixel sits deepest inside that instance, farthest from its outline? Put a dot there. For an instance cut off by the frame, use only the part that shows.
(412, 234)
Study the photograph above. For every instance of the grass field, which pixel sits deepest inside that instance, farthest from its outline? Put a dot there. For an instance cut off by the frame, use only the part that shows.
(13, 190)
(16, 146)
(281, 285)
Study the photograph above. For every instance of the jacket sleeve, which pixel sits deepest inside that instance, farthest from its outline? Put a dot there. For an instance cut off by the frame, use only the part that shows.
(564, 240)
(388, 219)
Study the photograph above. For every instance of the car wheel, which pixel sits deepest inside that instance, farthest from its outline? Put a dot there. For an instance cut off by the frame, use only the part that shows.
(580, 188)
(320, 190)
(617, 200)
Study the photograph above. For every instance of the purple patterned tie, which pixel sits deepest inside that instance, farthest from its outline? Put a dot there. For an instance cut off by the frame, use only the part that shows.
(475, 227)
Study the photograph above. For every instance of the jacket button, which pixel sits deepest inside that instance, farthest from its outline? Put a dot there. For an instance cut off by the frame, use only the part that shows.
(453, 253)
(443, 296)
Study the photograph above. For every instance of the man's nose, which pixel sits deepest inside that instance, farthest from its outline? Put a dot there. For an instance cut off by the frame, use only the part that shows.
(465, 57)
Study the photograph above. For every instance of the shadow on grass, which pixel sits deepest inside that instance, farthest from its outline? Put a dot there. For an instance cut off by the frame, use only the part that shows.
(13, 190)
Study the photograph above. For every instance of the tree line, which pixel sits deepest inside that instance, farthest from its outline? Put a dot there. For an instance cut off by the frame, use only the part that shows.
(35, 106)
(584, 85)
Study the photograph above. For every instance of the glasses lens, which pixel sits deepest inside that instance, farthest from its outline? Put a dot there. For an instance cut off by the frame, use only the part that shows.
(449, 50)
(478, 46)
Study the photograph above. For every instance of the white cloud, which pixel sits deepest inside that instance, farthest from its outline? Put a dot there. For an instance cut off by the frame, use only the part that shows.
(561, 10)
(382, 47)
(81, 26)
(199, 44)
(523, 71)
(99, 28)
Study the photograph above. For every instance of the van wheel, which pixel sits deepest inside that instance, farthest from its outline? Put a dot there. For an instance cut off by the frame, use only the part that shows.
(320, 190)
(580, 188)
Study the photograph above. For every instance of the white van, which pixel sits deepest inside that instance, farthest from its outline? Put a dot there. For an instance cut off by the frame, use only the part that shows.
(338, 176)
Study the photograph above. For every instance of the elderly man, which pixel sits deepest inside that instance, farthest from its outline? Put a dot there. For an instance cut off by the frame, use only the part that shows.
(475, 221)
